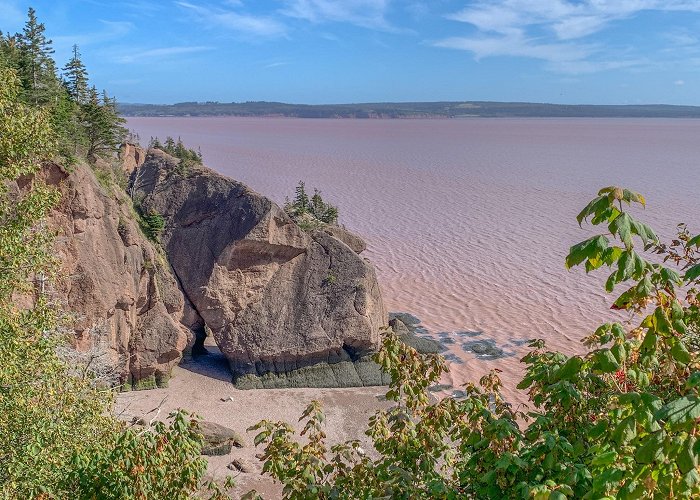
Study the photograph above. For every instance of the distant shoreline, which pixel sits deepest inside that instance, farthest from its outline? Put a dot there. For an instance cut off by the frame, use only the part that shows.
(409, 110)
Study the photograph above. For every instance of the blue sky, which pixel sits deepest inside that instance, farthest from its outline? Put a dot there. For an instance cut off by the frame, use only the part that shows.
(332, 51)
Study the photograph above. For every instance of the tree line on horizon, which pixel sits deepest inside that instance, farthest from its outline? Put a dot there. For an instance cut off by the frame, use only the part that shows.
(437, 109)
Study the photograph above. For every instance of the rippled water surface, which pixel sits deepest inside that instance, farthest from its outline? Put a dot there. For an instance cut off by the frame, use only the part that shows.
(468, 221)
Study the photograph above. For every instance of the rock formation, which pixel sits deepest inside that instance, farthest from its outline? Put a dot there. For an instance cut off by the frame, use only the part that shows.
(125, 300)
(131, 157)
(286, 307)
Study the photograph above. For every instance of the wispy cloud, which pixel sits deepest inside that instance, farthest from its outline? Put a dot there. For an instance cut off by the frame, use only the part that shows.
(276, 64)
(555, 31)
(141, 7)
(566, 19)
(163, 52)
(682, 38)
(364, 13)
(233, 18)
(679, 83)
(517, 44)
(110, 30)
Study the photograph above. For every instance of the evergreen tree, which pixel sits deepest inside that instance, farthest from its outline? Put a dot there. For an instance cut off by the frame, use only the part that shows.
(301, 201)
(37, 68)
(76, 78)
(101, 125)
(155, 143)
(66, 122)
(10, 54)
(180, 150)
(310, 213)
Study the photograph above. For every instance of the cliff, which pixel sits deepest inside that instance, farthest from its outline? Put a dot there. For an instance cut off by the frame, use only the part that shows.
(125, 306)
(288, 308)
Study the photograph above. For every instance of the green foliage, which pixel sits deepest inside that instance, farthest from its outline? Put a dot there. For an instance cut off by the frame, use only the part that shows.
(46, 415)
(188, 157)
(152, 462)
(58, 438)
(619, 421)
(85, 123)
(310, 213)
(36, 67)
(152, 224)
(101, 125)
(76, 78)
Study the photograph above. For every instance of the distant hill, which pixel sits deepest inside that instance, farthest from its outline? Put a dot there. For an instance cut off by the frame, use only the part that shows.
(410, 110)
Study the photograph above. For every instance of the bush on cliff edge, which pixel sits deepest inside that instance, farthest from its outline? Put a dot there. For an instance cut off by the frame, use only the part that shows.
(620, 421)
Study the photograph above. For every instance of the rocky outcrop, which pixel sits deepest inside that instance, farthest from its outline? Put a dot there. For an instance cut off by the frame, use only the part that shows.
(408, 336)
(125, 303)
(131, 156)
(286, 307)
(352, 240)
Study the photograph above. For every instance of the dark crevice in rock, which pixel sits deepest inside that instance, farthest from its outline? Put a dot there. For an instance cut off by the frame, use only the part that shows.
(197, 329)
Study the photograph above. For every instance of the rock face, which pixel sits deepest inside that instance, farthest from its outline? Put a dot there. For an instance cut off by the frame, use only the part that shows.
(126, 303)
(132, 157)
(352, 240)
(286, 307)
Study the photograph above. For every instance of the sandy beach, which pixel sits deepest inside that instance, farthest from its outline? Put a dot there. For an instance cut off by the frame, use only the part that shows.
(202, 386)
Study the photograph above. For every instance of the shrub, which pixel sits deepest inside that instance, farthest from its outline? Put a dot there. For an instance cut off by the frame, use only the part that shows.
(152, 224)
(152, 462)
(310, 213)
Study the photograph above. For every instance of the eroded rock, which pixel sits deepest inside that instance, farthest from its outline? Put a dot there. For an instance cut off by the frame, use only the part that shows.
(132, 157)
(124, 299)
(286, 307)
(407, 336)
(355, 242)
(241, 465)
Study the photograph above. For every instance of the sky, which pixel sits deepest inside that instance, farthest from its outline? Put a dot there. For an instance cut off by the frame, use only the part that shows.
(344, 51)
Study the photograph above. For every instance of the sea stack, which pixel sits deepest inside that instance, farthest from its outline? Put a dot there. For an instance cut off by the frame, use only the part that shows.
(287, 307)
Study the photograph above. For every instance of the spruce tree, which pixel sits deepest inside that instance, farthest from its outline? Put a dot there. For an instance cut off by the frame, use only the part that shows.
(101, 125)
(37, 68)
(10, 54)
(76, 78)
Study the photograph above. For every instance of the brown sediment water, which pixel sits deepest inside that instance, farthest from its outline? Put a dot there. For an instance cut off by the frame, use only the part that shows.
(468, 221)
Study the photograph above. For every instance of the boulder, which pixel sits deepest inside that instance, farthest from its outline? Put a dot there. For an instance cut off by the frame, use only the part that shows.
(124, 300)
(217, 439)
(286, 307)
